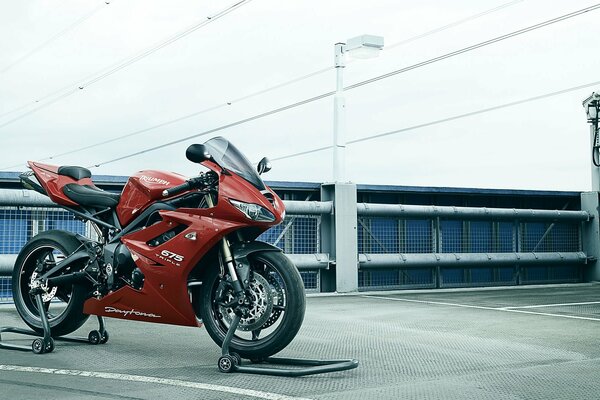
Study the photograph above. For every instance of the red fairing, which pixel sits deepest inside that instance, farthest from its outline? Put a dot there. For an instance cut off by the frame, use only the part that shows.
(53, 183)
(164, 296)
(142, 189)
(233, 187)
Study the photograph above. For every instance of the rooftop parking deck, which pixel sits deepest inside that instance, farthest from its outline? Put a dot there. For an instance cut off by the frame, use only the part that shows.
(503, 343)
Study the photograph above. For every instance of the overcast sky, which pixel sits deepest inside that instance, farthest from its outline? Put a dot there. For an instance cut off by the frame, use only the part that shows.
(538, 145)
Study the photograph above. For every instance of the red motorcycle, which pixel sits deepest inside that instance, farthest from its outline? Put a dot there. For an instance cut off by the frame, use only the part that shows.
(169, 250)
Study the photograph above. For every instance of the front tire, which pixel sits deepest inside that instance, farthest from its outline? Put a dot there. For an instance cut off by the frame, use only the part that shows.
(271, 271)
(64, 305)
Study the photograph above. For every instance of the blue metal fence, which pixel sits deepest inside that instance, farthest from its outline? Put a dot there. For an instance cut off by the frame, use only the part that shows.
(377, 235)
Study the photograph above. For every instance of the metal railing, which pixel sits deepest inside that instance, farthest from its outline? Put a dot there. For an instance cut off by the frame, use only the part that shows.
(403, 246)
(399, 246)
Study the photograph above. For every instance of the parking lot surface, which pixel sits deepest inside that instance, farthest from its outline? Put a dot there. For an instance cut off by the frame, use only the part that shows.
(510, 343)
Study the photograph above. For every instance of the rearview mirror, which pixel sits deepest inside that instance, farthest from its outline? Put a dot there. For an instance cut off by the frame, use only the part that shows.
(263, 166)
(197, 153)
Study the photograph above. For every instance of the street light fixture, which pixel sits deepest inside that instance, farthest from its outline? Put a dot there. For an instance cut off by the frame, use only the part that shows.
(365, 46)
(591, 106)
(360, 47)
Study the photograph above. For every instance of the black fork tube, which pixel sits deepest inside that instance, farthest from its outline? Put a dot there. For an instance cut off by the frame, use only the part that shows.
(235, 282)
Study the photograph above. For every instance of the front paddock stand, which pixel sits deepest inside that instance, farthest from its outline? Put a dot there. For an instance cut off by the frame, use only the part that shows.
(45, 344)
(232, 362)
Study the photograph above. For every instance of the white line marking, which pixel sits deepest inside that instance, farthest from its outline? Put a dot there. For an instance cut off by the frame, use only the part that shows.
(553, 305)
(151, 379)
(551, 315)
(483, 308)
(432, 302)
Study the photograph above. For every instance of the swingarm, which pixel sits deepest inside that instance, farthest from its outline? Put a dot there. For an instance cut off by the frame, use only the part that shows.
(89, 251)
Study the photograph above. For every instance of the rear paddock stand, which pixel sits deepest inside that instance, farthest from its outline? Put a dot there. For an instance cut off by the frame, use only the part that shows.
(232, 362)
(45, 344)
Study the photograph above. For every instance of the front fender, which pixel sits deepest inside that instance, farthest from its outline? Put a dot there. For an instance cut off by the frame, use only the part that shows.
(243, 249)
(240, 252)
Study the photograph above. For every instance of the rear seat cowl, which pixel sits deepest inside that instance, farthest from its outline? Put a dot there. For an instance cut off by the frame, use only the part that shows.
(74, 172)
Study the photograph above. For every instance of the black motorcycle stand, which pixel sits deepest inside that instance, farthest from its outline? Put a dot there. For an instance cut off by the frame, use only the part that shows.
(232, 362)
(45, 344)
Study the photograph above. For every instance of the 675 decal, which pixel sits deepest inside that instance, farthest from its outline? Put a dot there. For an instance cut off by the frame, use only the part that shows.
(171, 257)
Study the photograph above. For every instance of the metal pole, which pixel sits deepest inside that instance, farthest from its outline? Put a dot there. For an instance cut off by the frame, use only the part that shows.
(339, 117)
(458, 260)
(595, 170)
(470, 213)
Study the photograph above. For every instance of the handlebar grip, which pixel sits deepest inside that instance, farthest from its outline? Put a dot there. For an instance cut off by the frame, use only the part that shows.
(177, 189)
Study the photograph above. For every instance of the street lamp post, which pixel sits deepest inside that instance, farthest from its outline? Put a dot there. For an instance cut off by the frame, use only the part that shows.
(360, 47)
(592, 108)
(590, 201)
(339, 116)
(341, 242)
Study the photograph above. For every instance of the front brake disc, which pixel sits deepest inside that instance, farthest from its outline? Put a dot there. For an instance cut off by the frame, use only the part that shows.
(260, 305)
(278, 300)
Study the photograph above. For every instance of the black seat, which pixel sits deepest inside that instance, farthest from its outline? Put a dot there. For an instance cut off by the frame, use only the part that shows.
(74, 172)
(87, 195)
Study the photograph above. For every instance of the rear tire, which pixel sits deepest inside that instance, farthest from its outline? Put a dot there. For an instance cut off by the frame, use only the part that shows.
(71, 317)
(288, 317)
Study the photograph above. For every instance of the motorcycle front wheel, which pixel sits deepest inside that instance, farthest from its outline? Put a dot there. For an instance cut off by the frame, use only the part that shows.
(276, 309)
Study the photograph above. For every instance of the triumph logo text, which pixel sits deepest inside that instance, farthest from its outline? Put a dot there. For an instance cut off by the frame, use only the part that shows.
(151, 179)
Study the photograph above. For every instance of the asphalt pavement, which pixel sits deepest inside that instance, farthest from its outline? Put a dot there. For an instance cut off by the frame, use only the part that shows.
(510, 343)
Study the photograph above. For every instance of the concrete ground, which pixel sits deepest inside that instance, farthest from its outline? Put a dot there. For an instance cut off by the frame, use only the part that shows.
(517, 343)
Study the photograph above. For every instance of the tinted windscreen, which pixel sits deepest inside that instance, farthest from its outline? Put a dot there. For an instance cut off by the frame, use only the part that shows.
(230, 158)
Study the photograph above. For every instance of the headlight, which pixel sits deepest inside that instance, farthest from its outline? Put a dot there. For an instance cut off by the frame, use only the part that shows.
(254, 211)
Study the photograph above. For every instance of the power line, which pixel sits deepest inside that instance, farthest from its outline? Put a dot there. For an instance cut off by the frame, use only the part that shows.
(362, 83)
(278, 86)
(454, 24)
(240, 122)
(477, 46)
(104, 73)
(54, 100)
(168, 42)
(184, 117)
(301, 153)
(56, 36)
(444, 120)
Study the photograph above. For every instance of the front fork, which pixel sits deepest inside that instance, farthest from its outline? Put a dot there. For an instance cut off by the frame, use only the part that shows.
(236, 284)
(238, 289)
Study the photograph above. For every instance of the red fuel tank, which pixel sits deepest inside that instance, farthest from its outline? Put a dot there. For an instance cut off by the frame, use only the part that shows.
(143, 189)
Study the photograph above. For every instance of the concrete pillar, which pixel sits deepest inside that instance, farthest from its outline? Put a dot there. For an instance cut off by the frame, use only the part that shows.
(590, 233)
(339, 234)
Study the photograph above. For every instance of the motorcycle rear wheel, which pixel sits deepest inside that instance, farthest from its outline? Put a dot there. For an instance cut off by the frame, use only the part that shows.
(278, 280)
(63, 303)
